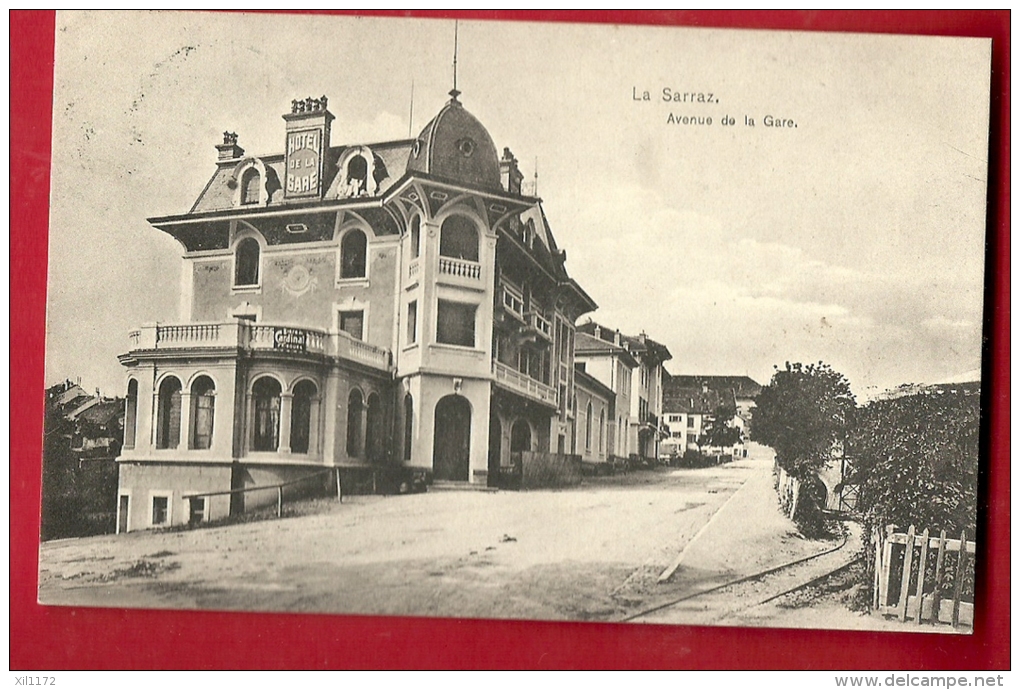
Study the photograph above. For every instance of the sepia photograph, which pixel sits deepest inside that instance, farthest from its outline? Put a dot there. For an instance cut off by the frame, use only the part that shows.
(429, 317)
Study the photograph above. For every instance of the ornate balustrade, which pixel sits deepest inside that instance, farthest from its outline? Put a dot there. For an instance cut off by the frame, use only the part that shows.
(459, 268)
(258, 337)
(513, 380)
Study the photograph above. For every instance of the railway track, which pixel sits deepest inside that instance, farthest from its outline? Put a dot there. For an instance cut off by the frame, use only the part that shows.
(711, 605)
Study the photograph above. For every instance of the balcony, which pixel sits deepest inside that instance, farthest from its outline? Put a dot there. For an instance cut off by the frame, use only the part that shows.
(258, 337)
(460, 272)
(539, 324)
(522, 384)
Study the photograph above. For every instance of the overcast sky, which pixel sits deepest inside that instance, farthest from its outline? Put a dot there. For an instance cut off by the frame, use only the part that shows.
(856, 237)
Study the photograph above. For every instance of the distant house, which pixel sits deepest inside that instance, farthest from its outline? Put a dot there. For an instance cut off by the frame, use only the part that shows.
(689, 409)
(745, 389)
(98, 429)
(84, 434)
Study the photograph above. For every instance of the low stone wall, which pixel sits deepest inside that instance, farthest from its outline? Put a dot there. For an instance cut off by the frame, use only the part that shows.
(549, 470)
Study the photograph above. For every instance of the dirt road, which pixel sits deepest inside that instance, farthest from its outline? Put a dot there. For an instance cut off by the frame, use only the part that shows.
(589, 553)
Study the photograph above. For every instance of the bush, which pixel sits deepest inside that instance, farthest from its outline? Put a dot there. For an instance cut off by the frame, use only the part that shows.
(916, 461)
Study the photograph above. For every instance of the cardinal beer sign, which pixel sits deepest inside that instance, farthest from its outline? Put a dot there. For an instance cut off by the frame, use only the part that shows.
(290, 339)
(304, 162)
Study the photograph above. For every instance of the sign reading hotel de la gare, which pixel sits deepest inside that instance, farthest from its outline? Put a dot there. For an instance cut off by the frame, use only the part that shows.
(304, 158)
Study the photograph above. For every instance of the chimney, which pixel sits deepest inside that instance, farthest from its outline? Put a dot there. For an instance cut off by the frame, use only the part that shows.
(704, 386)
(598, 332)
(642, 336)
(509, 174)
(229, 150)
(307, 150)
(616, 337)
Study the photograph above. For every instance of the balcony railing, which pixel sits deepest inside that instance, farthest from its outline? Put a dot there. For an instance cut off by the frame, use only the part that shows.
(460, 268)
(258, 337)
(515, 381)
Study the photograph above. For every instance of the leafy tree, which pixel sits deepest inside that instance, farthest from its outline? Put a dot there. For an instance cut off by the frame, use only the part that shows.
(720, 432)
(803, 415)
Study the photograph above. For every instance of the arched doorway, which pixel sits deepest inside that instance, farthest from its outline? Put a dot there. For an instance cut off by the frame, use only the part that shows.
(520, 436)
(451, 451)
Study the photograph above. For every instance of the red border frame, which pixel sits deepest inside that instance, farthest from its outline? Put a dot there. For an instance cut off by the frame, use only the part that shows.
(66, 638)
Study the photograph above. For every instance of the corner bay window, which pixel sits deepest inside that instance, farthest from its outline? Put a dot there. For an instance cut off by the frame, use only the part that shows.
(203, 399)
(168, 415)
(266, 422)
(305, 398)
(455, 323)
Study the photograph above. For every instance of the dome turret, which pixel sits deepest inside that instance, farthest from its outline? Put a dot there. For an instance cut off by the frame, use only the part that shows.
(455, 146)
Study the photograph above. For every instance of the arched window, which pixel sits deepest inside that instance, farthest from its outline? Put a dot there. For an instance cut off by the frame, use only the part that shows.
(458, 239)
(375, 429)
(416, 237)
(602, 429)
(305, 394)
(203, 402)
(168, 415)
(246, 262)
(408, 425)
(266, 432)
(357, 176)
(353, 250)
(131, 414)
(250, 183)
(355, 409)
(587, 428)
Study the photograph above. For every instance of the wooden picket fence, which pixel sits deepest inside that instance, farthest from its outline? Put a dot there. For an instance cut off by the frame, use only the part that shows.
(907, 585)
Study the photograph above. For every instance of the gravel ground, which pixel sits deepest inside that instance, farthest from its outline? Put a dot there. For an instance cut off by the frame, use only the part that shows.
(593, 552)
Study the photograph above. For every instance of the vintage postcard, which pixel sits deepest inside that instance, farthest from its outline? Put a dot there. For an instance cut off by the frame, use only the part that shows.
(508, 320)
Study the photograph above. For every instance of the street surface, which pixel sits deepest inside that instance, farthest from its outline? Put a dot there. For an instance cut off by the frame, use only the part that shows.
(593, 552)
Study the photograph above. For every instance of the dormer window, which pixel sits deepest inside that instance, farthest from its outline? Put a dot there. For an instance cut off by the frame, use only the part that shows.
(357, 176)
(250, 183)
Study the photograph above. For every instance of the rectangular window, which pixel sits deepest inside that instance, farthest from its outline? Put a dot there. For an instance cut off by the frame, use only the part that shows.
(353, 323)
(412, 322)
(197, 508)
(160, 510)
(690, 422)
(455, 323)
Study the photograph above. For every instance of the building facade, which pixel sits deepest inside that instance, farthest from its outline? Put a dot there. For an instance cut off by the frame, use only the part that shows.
(358, 306)
(644, 427)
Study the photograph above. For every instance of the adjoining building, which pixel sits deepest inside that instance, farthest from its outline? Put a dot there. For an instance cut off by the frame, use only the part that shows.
(399, 304)
(595, 429)
(632, 365)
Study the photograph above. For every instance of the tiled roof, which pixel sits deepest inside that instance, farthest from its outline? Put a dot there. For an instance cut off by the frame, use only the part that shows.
(690, 401)
(641, 345)
(742, 386)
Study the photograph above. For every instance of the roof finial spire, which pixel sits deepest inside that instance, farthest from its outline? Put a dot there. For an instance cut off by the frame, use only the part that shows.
(454, 92)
